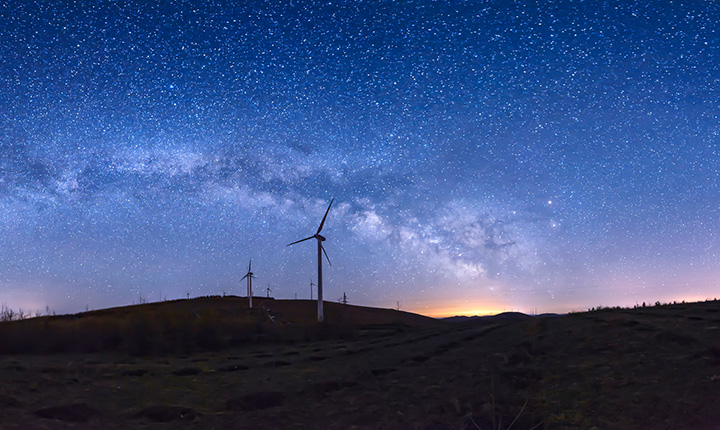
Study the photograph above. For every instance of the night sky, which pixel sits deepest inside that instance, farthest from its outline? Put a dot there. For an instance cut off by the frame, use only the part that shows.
(483, 155)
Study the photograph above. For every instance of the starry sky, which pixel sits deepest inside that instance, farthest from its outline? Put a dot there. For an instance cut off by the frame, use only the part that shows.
(483, 155)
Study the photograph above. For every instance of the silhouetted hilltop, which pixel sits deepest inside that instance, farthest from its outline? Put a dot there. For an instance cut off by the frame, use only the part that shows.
(501, 317)
(270, 309)
(306, 311)
(197, 324)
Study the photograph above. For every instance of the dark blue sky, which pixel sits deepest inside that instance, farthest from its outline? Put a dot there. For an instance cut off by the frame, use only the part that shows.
(484, 155)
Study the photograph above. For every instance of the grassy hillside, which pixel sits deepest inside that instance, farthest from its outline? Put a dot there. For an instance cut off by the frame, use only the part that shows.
(184, 326)
(632, 369)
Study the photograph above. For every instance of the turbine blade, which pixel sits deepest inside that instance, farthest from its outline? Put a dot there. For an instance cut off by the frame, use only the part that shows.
(301, 240)
(250, 266)
(326, 213)
(326, 256)
(244, 277)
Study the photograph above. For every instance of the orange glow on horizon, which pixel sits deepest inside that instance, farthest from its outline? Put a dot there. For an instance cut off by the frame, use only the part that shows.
(458, 310)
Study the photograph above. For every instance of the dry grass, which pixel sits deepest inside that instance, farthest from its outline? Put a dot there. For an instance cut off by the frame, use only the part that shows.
(186, 326)
(634, 369)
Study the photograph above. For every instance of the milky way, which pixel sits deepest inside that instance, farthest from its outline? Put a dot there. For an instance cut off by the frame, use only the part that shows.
(484, 155)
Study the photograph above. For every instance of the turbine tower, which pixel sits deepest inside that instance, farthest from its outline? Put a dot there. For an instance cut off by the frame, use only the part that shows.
(249, 275)
(320, 252)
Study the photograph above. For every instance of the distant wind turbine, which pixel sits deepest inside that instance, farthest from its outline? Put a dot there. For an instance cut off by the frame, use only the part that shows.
(268, 291)
(320, 252)
(249, 275)
(311, 288)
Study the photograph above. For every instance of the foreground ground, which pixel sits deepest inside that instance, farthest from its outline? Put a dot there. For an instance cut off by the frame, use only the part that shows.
(646, 368)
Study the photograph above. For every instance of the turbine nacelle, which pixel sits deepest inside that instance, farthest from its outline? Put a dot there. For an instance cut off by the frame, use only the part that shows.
(249, 273)
(317, 235)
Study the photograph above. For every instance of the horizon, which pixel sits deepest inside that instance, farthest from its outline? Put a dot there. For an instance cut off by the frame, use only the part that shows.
(482, 156)
(438, 314)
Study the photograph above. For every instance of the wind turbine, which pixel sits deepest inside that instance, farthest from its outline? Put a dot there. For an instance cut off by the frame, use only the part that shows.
(320, 251)
(249, 275)
(311, 288)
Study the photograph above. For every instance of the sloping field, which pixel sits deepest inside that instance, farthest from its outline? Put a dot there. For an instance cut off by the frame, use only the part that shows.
(639, 369)
(183, 326)
(292, 311)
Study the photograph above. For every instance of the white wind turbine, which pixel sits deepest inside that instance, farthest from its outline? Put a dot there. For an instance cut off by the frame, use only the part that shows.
(320, 251)
(249, 275)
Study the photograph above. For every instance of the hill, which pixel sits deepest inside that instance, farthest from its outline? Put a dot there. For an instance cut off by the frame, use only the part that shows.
(280, 311)
(197, 324)
(501, 317)
(633, 369)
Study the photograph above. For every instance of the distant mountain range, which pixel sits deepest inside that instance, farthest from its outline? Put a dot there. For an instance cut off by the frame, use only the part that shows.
(504, 317)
